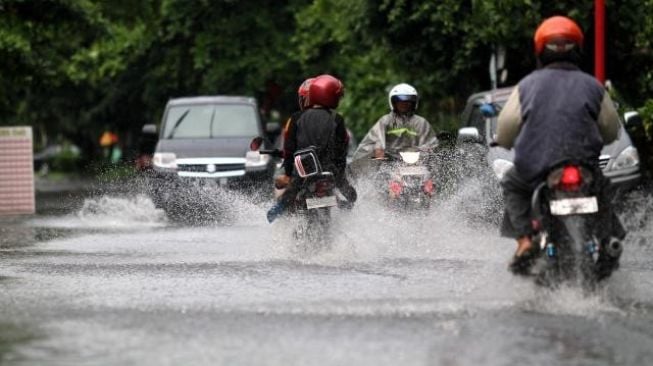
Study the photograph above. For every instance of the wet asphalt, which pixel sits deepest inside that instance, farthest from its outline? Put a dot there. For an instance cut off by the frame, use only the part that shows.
(99, 276)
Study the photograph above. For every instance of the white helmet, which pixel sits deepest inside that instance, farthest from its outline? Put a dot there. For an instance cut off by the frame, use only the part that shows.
(405, 93)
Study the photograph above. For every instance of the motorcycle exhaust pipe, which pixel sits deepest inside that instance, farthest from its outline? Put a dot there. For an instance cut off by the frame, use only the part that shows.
(614, 248)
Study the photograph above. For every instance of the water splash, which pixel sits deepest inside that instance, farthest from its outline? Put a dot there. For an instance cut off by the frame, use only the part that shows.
(373, 231)
(572, 300)
(109, 211)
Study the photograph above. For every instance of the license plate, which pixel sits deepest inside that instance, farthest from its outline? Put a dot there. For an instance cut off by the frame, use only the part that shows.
(412, 170)
(573, 206)
(318, 202)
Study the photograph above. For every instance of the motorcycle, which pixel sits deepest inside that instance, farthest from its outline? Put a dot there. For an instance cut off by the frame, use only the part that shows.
(572, 217)
(409, 180)
(313, 190)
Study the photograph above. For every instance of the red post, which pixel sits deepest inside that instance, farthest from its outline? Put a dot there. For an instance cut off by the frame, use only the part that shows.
(599, 40)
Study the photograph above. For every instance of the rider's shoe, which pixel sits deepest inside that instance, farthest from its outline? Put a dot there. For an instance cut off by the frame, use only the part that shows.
(608, 260)
(524, 257)
(275, 211)
(605, 266)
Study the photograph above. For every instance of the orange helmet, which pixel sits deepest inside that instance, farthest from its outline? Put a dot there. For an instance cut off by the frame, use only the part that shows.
(325, 90)
(560, 30)
(302, 93)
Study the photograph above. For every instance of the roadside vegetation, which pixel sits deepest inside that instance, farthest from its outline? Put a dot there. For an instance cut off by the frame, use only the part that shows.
(73, 69)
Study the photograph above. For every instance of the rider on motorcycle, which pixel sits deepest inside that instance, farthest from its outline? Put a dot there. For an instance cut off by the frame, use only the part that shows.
(317, 124)
(557, 112)
(401, 128)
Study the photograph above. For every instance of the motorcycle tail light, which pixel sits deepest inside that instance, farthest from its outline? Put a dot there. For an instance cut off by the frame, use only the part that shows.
(536, 224)
(322, 187)
(428, 186)
(395, 187)
(571, 179)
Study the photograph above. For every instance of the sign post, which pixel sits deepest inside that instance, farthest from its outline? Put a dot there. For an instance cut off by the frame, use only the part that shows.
(16, 171)
(599, 40)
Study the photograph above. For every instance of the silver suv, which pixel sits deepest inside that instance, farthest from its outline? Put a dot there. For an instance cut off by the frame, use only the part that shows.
(619, 159)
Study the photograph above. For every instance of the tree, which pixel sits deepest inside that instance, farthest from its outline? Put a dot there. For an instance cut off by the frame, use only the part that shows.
(76, 67)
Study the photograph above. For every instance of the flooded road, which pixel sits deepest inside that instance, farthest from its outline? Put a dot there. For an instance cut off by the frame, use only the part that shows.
(106, 279)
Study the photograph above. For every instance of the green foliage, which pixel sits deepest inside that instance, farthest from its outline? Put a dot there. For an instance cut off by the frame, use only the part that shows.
(78, 67)
(67, 161)
(646, 111)
(115, 172)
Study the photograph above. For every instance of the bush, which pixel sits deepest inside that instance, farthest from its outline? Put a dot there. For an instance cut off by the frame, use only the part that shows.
(647, 117)
(66, 162)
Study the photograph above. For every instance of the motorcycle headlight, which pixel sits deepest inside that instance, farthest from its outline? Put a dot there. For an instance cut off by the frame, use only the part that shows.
(501, 166)
(256, 161)
(410, 157)
(165, 160)
(628, 158)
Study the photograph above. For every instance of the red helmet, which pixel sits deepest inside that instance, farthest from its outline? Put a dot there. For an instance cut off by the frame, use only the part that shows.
(325, 90)
(559, 29)
(302, 93)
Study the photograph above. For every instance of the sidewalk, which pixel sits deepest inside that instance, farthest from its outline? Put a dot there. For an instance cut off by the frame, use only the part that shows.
(63, 184)
(83, 185)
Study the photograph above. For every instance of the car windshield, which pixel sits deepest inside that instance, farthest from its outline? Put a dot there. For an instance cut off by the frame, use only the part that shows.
(211, 120)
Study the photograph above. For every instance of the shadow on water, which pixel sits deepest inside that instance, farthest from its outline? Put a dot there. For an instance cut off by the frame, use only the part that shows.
(11, 336)
(17, 235)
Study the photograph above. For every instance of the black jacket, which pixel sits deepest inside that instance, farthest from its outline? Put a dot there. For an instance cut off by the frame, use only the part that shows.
(322, 128)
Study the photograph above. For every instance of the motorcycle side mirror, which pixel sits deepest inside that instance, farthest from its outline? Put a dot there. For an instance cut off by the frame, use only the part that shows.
(469, 134)
(632, 119)
(256, 143)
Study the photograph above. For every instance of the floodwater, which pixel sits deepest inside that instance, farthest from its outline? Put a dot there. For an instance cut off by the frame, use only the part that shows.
(107, 279)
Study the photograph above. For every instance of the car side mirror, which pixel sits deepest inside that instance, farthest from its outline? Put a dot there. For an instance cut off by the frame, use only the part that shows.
(256, 143)
(469, 134)
(632, 119)
(149, 129)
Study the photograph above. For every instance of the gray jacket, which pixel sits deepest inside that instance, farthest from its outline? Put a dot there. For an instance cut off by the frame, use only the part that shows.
(393, 133)
(556, 113)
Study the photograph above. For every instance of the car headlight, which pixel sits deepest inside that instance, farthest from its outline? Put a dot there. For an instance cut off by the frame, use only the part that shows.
(628, 158)
(501, 166)
(256, 161)
(165, 160)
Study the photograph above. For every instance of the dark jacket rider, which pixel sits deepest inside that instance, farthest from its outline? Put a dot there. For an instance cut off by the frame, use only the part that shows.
(555, 113)
(320, 126)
